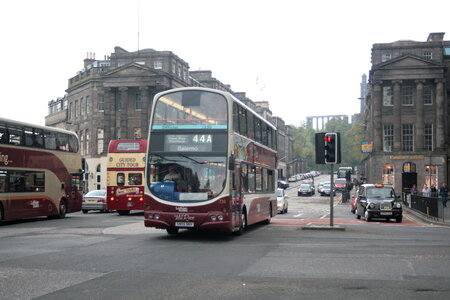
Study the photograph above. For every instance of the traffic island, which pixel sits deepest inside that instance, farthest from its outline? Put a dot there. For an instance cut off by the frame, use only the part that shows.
(323, 227)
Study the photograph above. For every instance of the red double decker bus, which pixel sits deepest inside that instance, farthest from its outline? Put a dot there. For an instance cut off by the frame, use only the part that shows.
(211, 163)
(39, 171)
(125, 175)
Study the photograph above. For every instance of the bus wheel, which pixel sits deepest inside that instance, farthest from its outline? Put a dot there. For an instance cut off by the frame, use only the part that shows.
(123, 212)
(243, 223)
(172, 230)
(62, 209)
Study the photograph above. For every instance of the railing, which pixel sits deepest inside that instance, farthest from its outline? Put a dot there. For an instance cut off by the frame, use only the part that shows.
(426, 205)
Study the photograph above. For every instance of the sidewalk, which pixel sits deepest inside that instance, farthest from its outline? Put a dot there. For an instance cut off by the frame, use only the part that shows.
(424, 218)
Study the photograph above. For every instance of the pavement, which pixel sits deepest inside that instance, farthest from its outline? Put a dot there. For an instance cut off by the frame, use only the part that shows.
(424, 218)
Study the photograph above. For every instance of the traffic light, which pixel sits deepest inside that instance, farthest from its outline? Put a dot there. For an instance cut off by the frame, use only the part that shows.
(320, 148)
(332, 148)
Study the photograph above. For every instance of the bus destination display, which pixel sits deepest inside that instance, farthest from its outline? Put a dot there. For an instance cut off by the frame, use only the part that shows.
(188, 142)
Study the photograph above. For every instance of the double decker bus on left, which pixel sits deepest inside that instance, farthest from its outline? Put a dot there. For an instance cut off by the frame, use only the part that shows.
(39, 171)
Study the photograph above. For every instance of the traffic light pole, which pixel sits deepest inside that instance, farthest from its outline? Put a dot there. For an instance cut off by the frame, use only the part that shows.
(331, 193)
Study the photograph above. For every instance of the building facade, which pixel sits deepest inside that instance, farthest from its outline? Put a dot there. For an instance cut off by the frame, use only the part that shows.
(406, 113)
(112, 98)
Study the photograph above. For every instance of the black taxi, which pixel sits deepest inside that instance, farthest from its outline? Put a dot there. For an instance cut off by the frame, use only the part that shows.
(378, 201)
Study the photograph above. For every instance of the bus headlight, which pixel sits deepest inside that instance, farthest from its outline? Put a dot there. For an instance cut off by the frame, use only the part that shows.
(220, 218)
(213, 218)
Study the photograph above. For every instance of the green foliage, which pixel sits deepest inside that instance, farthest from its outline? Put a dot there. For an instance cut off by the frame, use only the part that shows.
(351, 137)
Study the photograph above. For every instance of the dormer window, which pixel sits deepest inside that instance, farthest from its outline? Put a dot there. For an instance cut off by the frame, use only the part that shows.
(385, 57)
(428, 54)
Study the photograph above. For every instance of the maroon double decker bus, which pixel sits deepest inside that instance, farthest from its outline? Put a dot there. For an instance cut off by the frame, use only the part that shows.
(39, 171)
(211, 163)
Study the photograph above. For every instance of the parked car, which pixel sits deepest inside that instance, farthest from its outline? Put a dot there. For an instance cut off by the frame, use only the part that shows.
(378, 201)
(94, 200)
(326, 189)
(282, 202)
(306, 189)
(283, 184)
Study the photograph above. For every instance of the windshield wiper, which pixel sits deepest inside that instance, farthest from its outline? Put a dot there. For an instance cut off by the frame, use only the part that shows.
(165, 158)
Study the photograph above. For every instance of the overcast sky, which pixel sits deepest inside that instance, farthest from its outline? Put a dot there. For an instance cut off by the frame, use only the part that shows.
(305, 57)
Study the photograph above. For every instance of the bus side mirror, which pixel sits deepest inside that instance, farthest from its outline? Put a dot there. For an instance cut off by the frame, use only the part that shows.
(231, 162)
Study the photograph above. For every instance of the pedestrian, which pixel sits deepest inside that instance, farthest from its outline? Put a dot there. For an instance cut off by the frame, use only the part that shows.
(443, 194)
(425, 191)
(414, 190)
(433, 191)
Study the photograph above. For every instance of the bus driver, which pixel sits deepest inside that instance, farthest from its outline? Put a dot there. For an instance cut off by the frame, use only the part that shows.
(172, 175)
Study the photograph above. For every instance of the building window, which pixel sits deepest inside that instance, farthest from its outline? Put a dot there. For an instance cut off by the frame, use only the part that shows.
(387, 96)
(388, 137)
(174, 67)
(447, 51)
(428, 137)
(431, 177)
(157, 64)
(82, 107)
(407, 95)
(101, 103)
(87, 142)
(428, 54)
(100, 140)
(71, 111)
(428, 95)
(408, 137)
(87, 105)
(118, 133)
(76, 109)
(138, 101)
(82, 142)
(385, 57)
(388, 174)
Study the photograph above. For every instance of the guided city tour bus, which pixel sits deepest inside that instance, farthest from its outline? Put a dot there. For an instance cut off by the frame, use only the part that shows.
(39, 171)
(125, 175)
(211, 163)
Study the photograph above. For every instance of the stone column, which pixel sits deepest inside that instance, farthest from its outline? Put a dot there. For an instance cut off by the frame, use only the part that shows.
(109, 115)
(377, 105)
(418, 135)
(440, 112)
(123, 106)
(145, 117)
(397, 115)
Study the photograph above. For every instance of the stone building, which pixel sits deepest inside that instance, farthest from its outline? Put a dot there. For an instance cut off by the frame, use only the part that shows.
(111, 99)
(407, 113)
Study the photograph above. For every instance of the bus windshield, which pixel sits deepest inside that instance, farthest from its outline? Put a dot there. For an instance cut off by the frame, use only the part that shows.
(183, 178)
(190, 110)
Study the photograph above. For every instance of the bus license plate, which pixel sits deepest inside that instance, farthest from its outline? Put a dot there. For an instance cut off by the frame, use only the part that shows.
(184, 224)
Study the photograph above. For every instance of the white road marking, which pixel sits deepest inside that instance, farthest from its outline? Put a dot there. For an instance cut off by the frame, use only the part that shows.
(324, 216)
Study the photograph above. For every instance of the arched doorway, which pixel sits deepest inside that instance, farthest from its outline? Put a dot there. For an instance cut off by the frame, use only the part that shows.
(409, 176)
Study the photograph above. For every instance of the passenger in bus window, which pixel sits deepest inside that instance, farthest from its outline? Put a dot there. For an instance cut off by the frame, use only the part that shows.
(172, 175)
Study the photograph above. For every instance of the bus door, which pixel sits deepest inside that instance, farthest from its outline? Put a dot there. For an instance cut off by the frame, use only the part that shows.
(236, 195)
(76, 192)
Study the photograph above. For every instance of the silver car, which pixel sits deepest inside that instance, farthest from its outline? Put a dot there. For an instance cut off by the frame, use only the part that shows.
(94, 200)
(282, 203)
